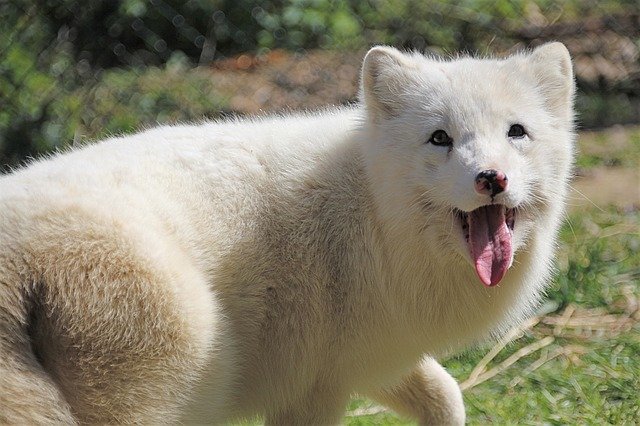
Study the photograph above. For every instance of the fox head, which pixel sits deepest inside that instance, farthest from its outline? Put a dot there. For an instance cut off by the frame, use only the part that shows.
(474, 154)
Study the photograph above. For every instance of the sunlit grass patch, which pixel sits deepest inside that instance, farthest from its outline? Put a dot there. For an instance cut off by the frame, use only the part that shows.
(617, 146)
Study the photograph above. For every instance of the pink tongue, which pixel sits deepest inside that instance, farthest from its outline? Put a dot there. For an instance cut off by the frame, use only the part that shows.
(490, 243)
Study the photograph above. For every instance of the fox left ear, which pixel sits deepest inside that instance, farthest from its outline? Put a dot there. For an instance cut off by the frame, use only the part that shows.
(384, 74)
(551, 64)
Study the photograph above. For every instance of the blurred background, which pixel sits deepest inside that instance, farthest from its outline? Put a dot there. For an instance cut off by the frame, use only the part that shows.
(73, 71)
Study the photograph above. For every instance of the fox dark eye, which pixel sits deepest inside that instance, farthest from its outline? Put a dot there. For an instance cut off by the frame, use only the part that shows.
(516, 131)
(440, 138)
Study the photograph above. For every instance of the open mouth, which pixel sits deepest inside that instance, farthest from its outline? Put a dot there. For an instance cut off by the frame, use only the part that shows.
(488, 231)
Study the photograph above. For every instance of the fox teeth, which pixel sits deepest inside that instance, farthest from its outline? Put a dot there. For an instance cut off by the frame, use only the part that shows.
(464, 218)
(510, 218)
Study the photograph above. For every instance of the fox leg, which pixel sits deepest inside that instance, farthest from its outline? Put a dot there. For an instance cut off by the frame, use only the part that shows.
(428, 394)
(322, 405)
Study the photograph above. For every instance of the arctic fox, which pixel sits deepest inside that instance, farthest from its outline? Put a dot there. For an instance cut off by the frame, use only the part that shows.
(275, 266)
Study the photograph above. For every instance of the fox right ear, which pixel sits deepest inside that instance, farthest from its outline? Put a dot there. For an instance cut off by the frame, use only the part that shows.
(551, 64)
(384, 73)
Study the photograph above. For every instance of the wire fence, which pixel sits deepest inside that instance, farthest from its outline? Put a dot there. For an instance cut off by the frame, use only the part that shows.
(72, 70)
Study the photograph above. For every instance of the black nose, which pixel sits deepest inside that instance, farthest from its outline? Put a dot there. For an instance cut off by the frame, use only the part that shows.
(491, 182)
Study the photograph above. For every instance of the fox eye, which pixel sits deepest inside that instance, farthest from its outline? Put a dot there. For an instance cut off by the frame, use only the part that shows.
(440, 138)
(516, 131)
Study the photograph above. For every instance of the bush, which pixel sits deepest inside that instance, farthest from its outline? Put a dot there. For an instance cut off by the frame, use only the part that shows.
(44, 116)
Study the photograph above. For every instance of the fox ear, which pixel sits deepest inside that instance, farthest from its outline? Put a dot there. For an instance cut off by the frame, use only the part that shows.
(384, 73)
(551, 64)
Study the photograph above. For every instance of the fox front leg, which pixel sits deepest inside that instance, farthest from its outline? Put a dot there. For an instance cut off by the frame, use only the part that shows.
(429, 394)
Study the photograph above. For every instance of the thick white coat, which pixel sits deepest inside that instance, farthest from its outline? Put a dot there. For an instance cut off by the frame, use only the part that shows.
(274, 266)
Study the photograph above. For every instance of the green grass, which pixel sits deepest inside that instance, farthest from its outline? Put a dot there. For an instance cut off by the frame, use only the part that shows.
(616, 147)
(594, 382)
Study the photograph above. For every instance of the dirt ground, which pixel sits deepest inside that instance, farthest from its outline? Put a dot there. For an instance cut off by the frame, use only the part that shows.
(616, 179)
(604, 186)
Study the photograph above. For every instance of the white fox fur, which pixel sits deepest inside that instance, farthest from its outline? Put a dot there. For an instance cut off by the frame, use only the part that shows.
(276, 266)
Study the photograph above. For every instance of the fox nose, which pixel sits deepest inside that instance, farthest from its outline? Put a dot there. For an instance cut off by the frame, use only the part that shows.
(491, 182)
